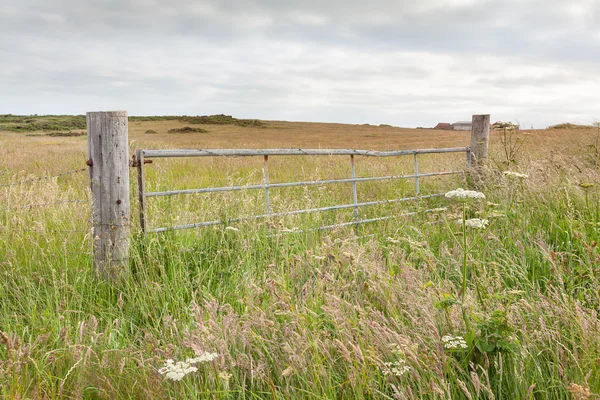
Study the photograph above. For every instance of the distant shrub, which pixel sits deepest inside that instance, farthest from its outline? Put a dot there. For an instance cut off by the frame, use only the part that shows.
(503, 125)
(150, 131)
(66, 134)
(568, 125)
(188, 129)
(222, 119)
(19, 123)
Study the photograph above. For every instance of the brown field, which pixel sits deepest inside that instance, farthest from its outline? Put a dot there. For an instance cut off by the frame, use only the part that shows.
(42, 154)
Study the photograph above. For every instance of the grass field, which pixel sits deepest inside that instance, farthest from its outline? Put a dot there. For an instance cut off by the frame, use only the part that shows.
(420, 307)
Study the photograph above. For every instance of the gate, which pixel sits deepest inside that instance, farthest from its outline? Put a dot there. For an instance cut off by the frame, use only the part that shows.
(142, 157)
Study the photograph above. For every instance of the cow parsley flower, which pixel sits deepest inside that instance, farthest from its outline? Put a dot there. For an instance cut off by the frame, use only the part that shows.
(461, 193)
(206, 357)
(511, 174)
(454, 342)
(396, 368)
(475, 223)
(225, 375)
(175, 371)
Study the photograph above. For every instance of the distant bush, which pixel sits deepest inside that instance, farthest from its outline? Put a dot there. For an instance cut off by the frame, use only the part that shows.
(222, 119)
(66, 134)
(568, 125)
(503, 125)
(188, 129)
(150, 131)
(20, 123)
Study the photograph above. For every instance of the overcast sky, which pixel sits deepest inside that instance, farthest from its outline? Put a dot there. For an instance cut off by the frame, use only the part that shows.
(406, 63)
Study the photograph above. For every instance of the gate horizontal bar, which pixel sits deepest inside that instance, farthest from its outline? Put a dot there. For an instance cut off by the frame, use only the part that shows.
(293, 152)
(288, 184)
(295, 212)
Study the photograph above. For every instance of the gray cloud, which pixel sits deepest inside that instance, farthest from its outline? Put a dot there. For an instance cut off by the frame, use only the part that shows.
(404, 63)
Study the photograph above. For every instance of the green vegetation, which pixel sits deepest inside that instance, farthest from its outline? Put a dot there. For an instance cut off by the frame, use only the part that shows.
(568, 125)
(221, 119)
(424, 307)
(20, 123)
(33, 123)
(187, 129)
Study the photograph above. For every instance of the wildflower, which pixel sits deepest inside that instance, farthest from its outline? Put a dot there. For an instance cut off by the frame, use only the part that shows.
(231, 228)
(396, 368)
(175, 371)
(585, 185)
(511, 174)
(224, 375)
(490, 204)
(206, 357)
(461, 193)
(496, 214)
(454, 342)
(475, 223)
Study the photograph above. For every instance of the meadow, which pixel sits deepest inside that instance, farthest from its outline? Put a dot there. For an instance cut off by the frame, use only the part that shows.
(423, 307)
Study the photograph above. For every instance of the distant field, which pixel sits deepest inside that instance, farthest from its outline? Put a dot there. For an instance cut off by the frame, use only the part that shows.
(504, 306)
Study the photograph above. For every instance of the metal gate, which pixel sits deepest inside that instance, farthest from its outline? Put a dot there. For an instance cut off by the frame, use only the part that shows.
(142, 157)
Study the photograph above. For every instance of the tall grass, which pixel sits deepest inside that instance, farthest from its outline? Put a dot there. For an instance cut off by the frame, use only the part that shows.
(315, 314)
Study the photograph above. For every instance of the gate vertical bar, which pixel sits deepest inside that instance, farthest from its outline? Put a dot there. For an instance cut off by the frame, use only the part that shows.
(354, 194)
(417, 187)
(267, 194)
(108, 150)
(141, 188)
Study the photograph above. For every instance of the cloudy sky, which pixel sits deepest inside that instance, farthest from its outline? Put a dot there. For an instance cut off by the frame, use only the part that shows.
(404, 62)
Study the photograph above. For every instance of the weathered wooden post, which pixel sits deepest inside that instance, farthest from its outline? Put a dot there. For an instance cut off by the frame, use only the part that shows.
(480, 135)
(108, 150)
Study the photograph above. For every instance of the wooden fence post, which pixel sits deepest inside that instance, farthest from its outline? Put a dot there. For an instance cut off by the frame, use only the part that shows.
(480, 135)
(108, 149)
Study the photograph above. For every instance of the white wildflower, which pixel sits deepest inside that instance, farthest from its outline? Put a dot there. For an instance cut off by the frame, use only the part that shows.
(475, 223)
(461, 193)
(454, 342)
(396, 368)
(496, 214)
(224, 375)
(202, 358)
(511, 174)
(175, 371)
(231, 228)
